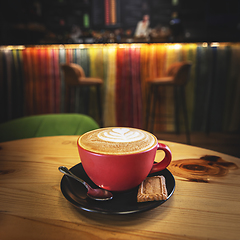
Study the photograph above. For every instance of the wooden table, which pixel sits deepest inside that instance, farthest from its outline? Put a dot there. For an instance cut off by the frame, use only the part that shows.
(32, 206)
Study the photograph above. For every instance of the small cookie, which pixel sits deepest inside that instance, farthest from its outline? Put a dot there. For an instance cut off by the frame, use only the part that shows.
(152, 189)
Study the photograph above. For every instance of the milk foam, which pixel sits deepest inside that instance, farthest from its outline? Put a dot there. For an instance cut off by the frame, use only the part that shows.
(117, 141)
(121, 135)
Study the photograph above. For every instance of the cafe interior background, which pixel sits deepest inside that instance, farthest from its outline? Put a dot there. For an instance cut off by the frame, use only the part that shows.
(36, 37)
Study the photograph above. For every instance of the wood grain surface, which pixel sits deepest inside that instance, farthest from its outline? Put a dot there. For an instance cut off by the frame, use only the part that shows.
(205, 204)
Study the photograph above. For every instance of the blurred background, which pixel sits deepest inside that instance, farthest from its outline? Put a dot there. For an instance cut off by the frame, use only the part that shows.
(37, 36)
(68, 21)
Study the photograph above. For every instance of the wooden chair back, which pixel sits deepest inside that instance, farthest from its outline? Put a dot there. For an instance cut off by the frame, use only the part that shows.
(180, 71)
(72, 73)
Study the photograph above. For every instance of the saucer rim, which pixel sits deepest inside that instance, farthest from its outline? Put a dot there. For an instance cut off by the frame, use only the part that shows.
(91, 205)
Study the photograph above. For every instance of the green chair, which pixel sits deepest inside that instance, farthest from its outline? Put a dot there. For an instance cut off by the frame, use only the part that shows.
(46, 125)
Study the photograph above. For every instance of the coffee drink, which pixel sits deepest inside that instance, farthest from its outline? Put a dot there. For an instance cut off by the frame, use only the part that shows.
(117, 141)
(120, 158)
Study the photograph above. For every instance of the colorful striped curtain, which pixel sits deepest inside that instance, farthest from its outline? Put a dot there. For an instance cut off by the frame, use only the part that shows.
(128, 87)
(31, 82)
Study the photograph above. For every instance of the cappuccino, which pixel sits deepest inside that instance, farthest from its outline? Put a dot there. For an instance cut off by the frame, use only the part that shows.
(117, 141)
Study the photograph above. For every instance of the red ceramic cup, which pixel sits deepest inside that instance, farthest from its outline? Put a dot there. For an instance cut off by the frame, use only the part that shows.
(122, 172)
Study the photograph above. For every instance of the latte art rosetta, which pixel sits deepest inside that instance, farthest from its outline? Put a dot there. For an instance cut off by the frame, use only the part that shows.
(121, 135)
(117, 141)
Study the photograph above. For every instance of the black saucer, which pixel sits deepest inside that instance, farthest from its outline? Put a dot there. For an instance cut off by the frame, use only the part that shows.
(122, 202)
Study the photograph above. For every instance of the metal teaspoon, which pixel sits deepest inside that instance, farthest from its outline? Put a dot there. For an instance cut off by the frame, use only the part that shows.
(94, 193)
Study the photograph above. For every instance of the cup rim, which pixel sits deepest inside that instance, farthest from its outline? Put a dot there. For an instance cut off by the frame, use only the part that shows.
(127, 154)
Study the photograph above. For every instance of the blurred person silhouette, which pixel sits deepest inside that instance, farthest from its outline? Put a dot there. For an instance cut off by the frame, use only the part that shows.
(176, 27)
(142, 29)
(75, 34)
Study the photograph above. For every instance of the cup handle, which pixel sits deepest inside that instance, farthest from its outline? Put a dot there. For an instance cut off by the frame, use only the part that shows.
(165, 162)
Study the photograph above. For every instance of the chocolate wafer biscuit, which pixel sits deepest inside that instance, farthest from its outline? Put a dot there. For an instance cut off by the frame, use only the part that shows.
(152, 189)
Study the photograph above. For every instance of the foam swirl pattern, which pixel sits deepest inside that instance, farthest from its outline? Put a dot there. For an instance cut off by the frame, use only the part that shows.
(117, 141)
(121, 135)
